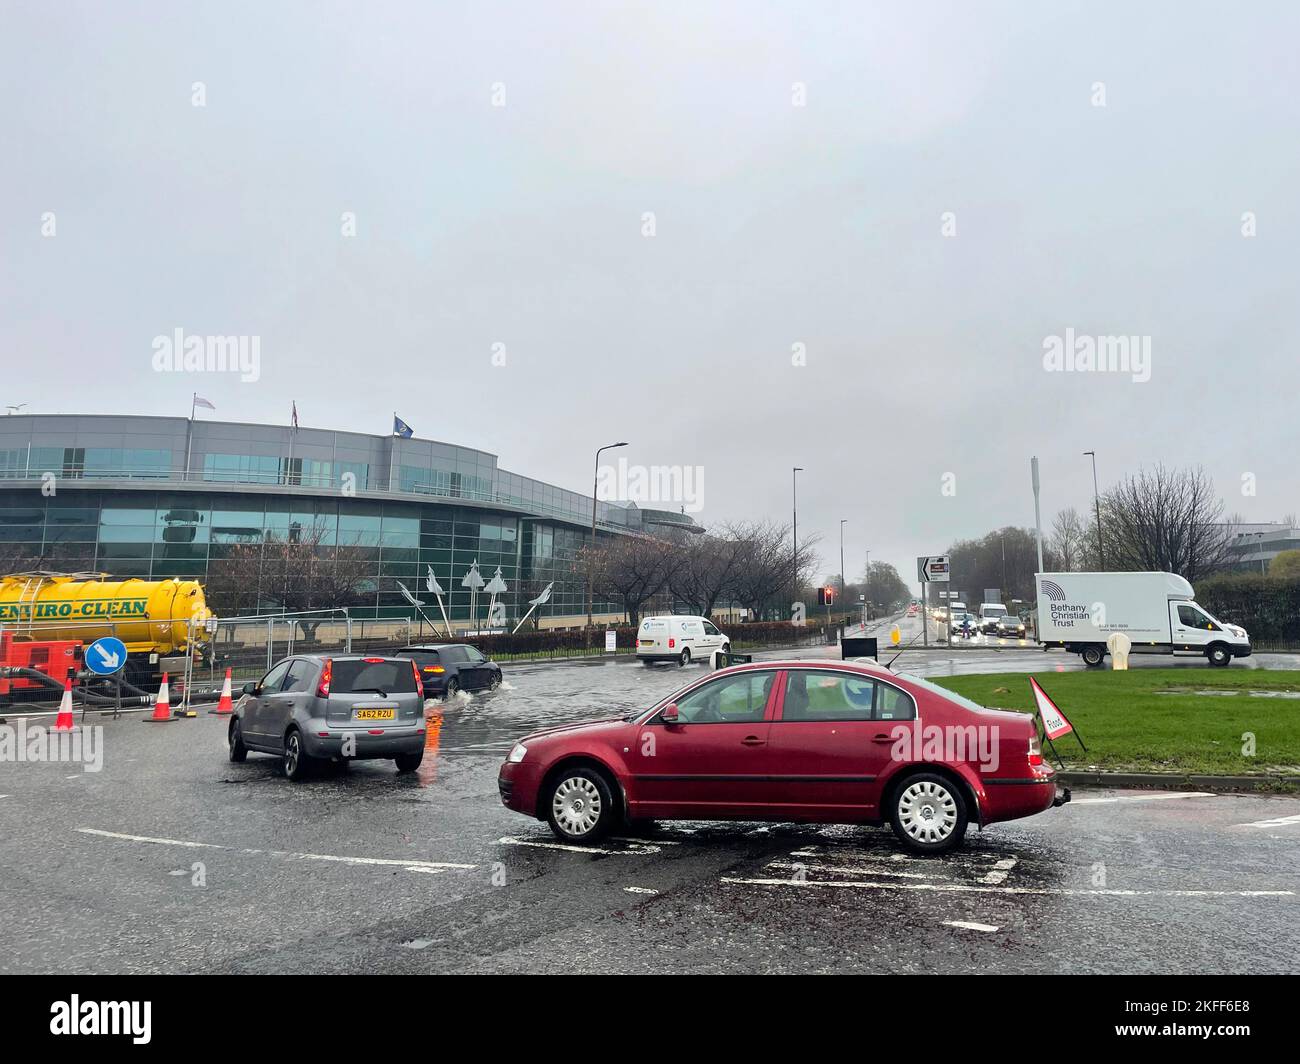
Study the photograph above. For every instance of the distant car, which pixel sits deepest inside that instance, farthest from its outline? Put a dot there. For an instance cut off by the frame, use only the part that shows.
(1010, 627)
(805, 741)
(446, 668)
(679, 638)
(310, 708)
(966, 625)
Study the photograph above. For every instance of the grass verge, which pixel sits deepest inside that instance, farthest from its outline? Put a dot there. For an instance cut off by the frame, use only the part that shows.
(1162, 720)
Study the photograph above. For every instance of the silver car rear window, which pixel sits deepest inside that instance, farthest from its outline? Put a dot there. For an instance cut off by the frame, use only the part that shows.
(359, 675)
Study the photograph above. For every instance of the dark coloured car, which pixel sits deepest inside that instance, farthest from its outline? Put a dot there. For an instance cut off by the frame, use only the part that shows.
(447, 668)
(807, 741)
(311, 708)
(1010, 627)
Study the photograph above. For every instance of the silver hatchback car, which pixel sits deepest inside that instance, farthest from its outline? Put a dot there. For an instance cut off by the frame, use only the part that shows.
(311, 708)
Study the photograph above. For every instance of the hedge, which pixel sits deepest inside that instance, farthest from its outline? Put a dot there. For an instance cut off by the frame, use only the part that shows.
(1267, 607)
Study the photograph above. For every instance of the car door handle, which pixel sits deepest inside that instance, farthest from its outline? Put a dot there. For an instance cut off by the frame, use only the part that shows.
(753, 740)
(882, 739)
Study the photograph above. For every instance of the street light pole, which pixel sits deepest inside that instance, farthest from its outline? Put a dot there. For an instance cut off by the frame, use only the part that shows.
(794, 505)
(843, 590)
(1096, 501)
(591, 557)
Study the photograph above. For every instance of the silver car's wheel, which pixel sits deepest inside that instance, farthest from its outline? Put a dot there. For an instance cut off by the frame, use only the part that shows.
(577, 806)
(296, 762)
(927, 812)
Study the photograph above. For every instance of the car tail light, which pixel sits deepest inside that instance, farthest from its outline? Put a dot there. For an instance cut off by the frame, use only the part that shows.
(323, 688)
(671, 642)
(435, 669)
(419, 684)
(373, 661)
(1035, 751)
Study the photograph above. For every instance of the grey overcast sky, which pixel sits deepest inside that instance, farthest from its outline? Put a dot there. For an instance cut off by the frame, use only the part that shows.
(1099, 161)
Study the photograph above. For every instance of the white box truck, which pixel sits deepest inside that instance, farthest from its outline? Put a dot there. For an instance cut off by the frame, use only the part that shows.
(1157, 611)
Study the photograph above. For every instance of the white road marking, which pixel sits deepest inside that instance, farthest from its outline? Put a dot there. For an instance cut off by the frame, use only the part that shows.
(1276, 823)
(76, 777)
(640, 849)
(1000, 871)
(1145, 798)
(968, 925)
(640, 890)
(406, 863)
(849, 871)
(966, 888)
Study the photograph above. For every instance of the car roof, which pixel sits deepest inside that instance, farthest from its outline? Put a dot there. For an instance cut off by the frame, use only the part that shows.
(433, 646)
(352, 656)
(849, 665)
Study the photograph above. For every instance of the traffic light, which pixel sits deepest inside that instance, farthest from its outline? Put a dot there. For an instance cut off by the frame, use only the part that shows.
(825, 596)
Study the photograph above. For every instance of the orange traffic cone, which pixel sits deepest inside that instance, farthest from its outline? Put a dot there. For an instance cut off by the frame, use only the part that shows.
(225, 706)
(63, 722)
(162, 709)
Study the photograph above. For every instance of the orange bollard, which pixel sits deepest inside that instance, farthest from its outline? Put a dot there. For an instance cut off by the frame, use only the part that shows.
(63, 722)
(162, 708)
(225, 706)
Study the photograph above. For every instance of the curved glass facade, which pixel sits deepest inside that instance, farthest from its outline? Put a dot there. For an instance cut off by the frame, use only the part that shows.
(270, 517)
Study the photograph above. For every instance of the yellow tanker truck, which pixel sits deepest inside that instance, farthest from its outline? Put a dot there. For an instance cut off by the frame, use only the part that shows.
(152, 617)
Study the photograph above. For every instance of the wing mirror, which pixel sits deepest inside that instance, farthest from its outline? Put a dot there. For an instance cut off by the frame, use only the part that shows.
(669, 713)
(250, 688)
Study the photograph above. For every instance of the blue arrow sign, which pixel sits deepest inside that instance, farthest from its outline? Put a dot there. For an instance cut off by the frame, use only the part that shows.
(105, 656)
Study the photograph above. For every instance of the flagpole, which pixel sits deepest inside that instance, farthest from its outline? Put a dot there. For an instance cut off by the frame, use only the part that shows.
(524, 618)
(392, 450)
(289, 471)
(189, 434)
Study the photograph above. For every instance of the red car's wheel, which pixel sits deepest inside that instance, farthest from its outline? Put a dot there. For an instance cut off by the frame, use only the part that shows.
(928, 814)
(580, 806)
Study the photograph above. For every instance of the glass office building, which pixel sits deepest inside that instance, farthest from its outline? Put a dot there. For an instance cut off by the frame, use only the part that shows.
(219, 501)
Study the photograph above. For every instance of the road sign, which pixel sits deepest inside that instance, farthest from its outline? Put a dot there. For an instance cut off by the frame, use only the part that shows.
(932, 569)
(105, 656)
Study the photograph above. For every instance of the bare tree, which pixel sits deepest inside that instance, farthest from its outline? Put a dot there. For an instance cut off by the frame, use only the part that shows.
(634, 569)
(708, 569)
(765, 571)
(1168, 520)
(1005, 559)
(1068, 540)
(883, 586)
(298, 573)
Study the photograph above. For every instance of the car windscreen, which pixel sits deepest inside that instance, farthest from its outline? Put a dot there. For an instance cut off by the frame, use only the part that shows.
(369, 676)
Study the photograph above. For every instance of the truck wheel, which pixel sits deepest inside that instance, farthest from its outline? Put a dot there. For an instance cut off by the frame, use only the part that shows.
(1092, 656)
(1218, 655)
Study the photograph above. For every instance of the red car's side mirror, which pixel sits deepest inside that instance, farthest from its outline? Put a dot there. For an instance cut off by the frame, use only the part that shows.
(669, 713)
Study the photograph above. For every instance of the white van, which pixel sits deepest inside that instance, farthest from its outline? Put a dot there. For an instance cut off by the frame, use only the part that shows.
(1157, 611)
(679, 638)
(990, 614)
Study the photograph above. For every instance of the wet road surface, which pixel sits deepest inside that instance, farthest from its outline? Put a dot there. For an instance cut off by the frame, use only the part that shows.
(172, 859)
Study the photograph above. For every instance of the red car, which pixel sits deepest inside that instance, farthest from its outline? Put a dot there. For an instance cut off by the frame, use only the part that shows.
(803, 741)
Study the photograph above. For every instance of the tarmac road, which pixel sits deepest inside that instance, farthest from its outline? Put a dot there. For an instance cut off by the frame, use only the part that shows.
(171, 859)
